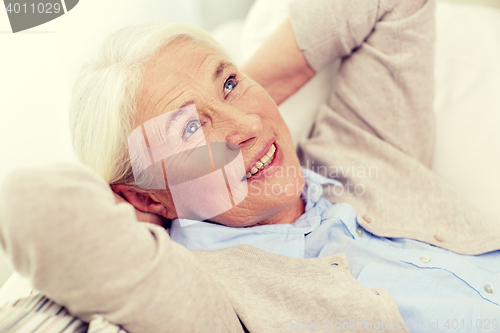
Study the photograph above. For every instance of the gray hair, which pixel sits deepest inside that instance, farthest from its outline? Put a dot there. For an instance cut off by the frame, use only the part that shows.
(103, 103)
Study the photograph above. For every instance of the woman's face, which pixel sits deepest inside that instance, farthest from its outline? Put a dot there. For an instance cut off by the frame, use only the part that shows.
(230, 108)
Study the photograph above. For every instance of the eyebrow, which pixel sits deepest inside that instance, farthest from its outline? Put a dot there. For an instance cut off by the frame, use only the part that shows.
(175, 116)
(220, 69)
(186, 104)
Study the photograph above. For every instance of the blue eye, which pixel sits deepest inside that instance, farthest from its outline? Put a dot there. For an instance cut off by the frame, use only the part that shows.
(229, 85)
(191, 128)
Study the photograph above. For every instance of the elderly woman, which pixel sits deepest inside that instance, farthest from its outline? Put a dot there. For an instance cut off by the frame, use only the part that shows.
(156, 92)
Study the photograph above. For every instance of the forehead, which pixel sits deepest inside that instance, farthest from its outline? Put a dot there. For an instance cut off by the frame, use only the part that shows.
(181, 56)
(176, 73)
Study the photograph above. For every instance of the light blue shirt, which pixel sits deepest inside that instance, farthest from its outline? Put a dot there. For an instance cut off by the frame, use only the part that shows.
(436, 290)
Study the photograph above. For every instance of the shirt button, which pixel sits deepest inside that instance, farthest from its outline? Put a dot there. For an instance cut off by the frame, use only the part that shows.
(425, 258)
(488, 289)
(367, 218)
(438, 237)
(359, 231)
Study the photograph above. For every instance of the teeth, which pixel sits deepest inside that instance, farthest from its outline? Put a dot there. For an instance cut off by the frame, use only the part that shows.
(263, 162)
(269, 154)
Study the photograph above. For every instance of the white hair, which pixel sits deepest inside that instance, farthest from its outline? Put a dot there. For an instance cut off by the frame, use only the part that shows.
(103, 103)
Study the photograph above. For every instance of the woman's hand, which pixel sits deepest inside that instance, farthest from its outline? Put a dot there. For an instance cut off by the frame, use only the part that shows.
(142, 216)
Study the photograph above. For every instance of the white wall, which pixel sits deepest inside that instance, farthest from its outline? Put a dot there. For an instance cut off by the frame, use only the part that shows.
(487, 3)
(33, 103)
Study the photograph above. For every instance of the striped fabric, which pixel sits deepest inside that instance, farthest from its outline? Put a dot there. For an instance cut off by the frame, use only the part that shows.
(38, 314)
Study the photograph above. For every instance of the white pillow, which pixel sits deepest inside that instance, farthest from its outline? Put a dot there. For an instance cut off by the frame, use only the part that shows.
(15, 287)
(467, 102)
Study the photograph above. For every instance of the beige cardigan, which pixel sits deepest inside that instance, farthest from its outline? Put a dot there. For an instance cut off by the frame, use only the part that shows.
(61, 227)
(379, 122)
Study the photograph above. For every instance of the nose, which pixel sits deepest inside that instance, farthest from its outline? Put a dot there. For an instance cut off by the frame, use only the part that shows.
(246, 127)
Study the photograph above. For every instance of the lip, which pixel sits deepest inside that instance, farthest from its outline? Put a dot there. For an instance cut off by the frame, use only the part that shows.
(277, 161)
(261, 153)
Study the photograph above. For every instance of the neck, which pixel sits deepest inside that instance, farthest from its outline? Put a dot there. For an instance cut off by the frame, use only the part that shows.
(286, 215)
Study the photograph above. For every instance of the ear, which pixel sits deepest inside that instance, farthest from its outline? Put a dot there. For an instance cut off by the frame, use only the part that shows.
(143, 201)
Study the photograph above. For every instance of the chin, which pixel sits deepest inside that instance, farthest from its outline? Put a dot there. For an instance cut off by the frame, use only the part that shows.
(262, 204)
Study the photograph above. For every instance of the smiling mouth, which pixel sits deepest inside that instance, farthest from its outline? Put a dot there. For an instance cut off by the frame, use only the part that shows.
(263, 162)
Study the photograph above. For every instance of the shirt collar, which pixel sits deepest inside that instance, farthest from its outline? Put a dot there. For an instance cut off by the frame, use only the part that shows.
(313, 188)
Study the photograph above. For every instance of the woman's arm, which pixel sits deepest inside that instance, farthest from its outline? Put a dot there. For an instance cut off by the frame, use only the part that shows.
(279, 65)
(62, 228)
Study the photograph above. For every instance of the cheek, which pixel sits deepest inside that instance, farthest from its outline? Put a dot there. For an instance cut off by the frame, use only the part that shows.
(256, 100)
(166, 200)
